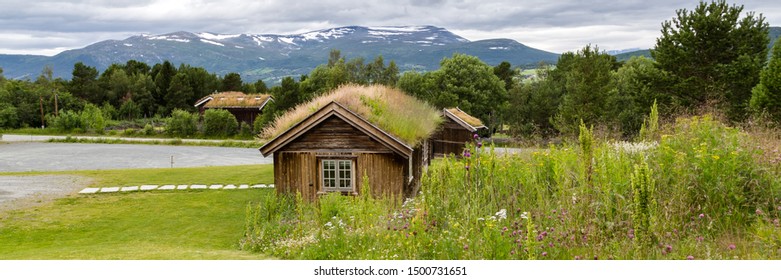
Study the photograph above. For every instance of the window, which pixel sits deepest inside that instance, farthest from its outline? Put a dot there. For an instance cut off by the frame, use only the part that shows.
(337, 175)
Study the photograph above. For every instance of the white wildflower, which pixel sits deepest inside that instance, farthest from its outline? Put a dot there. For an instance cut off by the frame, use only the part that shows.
(634, 147)
(501, 215)
(525, 215)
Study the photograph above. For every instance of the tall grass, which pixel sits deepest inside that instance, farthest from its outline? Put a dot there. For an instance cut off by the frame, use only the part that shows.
(697, 193)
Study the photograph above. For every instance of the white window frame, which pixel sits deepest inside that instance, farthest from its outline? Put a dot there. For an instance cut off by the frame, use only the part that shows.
(340, 173)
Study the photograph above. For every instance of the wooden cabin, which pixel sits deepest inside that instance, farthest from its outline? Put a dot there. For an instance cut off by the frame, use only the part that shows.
(457, 129)
(245, 107)
(336, 145)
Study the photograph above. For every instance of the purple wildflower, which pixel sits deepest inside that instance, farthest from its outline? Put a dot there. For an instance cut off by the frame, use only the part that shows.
(689, 257)
(466, 246)
(668, 248)
(479, 144)
(475, 136)
(702, 215)
(544, 254)
(467, 166)
(731, 247)
(759, 212)
(467, 153)
(577, 258)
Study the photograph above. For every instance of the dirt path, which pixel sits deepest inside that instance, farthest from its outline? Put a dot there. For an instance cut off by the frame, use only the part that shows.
(24, 191)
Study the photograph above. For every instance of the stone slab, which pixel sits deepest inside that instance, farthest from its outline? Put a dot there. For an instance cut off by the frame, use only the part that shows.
(148, 187)
(89, 190)
(271, 186)
(241, 187)
(215, 187)
(229, 187)
(167, 187)
(258, 186)
(129, 189)
(181, 187)
(198, 187)
(109, 190)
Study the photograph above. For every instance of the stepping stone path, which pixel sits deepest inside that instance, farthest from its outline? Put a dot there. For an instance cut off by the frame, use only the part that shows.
(174, 187)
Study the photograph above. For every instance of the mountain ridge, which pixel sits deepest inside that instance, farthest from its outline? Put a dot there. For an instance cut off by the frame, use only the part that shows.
(271, 56)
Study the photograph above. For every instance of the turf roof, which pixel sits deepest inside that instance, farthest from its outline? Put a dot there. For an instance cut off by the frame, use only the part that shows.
(470, 120)
(234, 99)
(403, 116)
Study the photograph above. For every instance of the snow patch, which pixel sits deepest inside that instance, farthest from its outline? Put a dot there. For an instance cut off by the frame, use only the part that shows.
(386, 33)
(261, 58)
(326, 34)
(238, 47)
(287, 40)
(167, 38)
(398, 29)
(128, 45)
(498, 48)
(218, 37)
(212, 42)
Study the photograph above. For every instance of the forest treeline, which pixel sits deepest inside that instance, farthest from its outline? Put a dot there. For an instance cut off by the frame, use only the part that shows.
(713, 57)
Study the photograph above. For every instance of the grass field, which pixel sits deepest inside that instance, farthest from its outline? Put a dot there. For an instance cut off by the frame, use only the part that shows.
(143, 225)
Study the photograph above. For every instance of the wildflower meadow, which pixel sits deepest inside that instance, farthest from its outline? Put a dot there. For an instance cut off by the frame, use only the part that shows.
(697, 189)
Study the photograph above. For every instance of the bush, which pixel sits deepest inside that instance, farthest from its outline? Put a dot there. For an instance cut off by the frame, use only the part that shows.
(8, 116)
(149, 129)
(245, 131)
(182, 124)
(66, 121)
(129, 110)
(219, 123)
(92, 118)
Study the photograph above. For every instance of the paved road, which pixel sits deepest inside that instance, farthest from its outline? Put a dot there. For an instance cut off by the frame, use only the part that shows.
(44, 138)
(35, 156)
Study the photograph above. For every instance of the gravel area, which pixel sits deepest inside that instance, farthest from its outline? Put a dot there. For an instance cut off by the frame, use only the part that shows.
(23, 191)
(36, 156)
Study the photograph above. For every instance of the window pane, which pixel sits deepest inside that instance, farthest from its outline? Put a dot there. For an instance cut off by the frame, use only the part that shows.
(329, 174)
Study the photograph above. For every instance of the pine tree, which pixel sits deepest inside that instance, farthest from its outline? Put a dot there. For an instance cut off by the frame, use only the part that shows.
(714, 55)
(766, 96)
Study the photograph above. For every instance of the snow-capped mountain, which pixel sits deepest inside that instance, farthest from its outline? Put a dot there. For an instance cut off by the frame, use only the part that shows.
(271, 57)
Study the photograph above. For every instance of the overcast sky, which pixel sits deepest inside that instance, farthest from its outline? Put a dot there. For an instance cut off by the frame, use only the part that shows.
(50, 26)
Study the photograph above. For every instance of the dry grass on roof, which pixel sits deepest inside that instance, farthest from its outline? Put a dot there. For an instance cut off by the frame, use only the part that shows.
(393, 111)
(474, 122)
(236, 99)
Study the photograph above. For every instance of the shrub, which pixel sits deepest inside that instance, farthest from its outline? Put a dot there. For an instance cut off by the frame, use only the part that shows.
(66, 121)
(129, 110)
(149, 129)
(245, 131)
(182, 123)
(219, 123)
(8, 116)
(92, 118)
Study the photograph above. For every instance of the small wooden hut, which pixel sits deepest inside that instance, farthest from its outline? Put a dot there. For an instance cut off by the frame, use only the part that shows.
(457, 129)
(245, 107)
(335, 141)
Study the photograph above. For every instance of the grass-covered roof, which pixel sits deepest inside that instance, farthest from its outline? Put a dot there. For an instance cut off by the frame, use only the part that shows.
(470, 120)
(403, 116)
(234, 99)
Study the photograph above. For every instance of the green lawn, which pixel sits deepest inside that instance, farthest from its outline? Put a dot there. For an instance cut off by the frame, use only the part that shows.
(189, 224)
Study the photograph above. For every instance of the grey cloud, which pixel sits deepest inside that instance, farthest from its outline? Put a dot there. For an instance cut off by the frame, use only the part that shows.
(85, 21)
